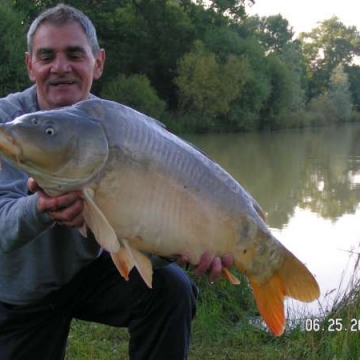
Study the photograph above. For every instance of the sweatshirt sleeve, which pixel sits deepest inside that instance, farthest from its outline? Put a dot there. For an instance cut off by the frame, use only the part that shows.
(20, 221)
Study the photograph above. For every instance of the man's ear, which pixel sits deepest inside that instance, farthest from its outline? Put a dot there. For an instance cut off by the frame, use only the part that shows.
(28, 63)
(99, 64)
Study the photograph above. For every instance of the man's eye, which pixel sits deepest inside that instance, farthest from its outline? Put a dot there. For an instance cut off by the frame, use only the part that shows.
(75, 55)
(45, 58)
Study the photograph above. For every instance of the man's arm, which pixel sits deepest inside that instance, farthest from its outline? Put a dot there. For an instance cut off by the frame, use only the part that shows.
(20, 220)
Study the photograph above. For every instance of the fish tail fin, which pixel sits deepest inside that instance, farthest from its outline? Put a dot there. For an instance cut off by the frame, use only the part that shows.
(269, 298)
(292, 279)
(298, 281)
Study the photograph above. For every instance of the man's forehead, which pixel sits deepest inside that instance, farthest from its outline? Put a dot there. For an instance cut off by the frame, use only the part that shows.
(49, 35)
(69, 48)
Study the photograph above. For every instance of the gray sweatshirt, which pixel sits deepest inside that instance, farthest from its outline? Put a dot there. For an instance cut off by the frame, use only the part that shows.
(37, 256)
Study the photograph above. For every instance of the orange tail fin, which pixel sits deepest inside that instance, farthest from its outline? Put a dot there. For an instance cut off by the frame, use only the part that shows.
(269, 298)
(292, 279)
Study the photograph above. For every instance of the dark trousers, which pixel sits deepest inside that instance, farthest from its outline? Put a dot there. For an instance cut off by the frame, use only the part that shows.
(158, 319)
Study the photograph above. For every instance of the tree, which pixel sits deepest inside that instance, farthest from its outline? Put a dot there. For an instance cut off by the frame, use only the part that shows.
(327, 46)
(275, 106)
(339, 93)
(233, 8)
(293, 60)
(206, 85)
(274, 32)
(136, 92)
(146, 37)
(354, 79)
(13, 76)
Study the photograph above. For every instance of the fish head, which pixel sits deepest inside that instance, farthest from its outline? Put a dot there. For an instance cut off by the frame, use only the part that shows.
(61, 149)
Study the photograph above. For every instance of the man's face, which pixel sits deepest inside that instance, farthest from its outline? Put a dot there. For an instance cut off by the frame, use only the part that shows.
(62, 65)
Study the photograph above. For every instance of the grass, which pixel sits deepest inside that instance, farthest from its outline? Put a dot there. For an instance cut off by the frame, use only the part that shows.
(224, 329)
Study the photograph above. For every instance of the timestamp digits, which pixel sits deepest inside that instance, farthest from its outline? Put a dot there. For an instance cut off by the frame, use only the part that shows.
(332, 325)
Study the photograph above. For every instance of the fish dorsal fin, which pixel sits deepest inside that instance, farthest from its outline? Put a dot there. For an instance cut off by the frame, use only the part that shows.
(258, 209)
(98, 224)
(141, 262)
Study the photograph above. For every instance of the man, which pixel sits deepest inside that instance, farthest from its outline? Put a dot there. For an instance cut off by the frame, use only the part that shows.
(49, 273)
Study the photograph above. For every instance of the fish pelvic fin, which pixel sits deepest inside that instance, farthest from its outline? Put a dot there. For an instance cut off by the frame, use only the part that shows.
(123, 262)
(292, 279)
(228, 275)
(98, 224)
(83, 230)
(141, 262)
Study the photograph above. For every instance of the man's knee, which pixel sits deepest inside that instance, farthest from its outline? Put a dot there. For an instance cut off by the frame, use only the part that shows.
(177, 288)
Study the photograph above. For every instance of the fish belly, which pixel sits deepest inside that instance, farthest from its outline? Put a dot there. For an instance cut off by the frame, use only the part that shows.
(156, 214)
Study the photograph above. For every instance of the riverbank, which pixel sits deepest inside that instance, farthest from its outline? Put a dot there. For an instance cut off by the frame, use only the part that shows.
(224, 330)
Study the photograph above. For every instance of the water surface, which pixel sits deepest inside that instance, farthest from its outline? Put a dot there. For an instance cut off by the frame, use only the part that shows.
(308, 184)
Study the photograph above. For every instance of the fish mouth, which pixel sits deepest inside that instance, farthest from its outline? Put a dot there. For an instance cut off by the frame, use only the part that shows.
(8, 145)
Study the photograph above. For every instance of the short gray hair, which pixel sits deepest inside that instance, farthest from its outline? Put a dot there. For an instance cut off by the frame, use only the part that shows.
(63, 14)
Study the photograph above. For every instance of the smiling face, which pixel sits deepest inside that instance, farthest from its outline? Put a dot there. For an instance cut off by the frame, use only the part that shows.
(63, 65)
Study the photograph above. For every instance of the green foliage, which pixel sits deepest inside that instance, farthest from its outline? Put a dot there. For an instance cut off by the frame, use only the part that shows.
(208, 86)
(13, 76)
(136, 92)
(339, 93)
(215, 68)
(274, 32)
(280, 95)
(146, 37)
(354, 81)
(234, 8)
(322, 110)
(325, 47)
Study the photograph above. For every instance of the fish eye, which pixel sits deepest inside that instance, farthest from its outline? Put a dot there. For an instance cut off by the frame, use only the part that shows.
(34, 121)
(50, 131)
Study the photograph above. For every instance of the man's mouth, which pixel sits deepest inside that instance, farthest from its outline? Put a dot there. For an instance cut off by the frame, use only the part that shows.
(61, 83)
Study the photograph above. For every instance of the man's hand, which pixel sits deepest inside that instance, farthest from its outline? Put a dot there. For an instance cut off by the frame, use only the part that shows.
(210, 265)
(65, 209)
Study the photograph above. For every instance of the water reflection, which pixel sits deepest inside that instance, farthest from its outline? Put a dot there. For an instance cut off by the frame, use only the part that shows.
(308, 183)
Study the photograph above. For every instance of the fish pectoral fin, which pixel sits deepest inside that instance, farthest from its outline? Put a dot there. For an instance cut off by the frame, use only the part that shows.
(141, 262)
(228, 275)
(98, 224)
(123, 262)
(269, 298)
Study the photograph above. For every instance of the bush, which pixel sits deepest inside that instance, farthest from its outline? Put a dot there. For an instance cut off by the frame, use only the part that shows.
(322, 111)
(134, 91)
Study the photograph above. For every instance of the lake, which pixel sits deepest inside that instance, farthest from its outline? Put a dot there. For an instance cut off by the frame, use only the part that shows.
(308, 184)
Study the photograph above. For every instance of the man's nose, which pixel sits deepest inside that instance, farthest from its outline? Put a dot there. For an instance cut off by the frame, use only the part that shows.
(61, 64)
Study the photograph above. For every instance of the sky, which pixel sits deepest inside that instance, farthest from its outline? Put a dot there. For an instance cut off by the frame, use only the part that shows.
(303, 15)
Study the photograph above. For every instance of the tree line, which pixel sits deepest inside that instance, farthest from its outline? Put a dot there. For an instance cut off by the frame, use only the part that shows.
(207, 66)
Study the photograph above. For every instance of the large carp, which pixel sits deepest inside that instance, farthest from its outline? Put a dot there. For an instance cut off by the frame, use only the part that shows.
(146, 190)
